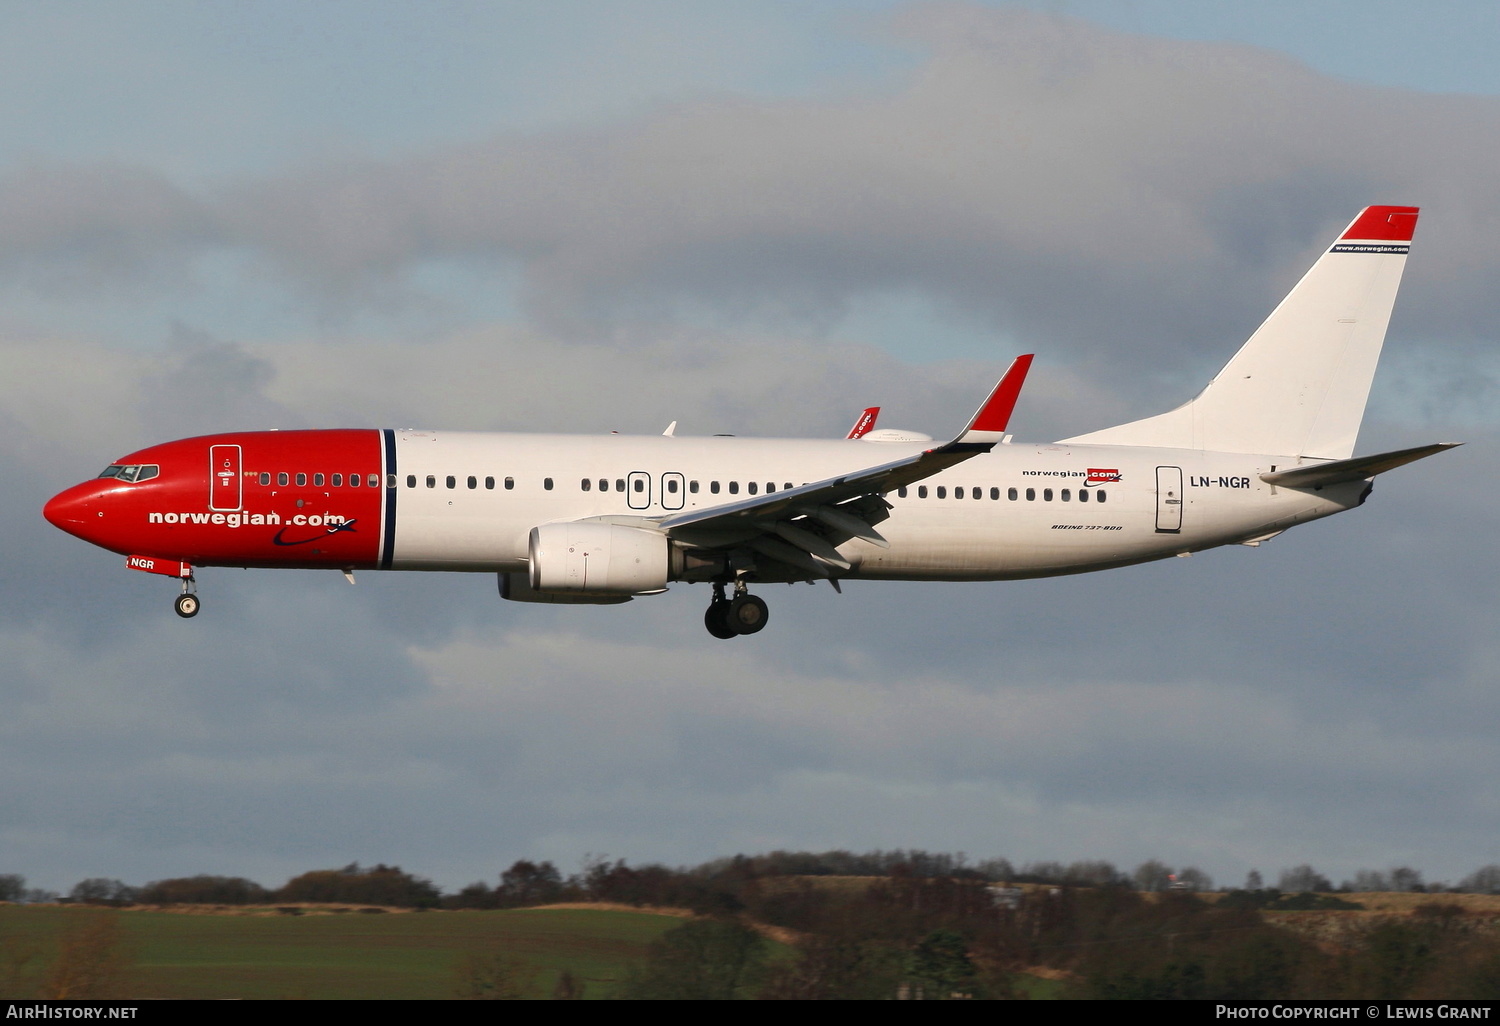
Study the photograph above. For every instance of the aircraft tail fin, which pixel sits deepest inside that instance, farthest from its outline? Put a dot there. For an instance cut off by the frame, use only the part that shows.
(1299, 385)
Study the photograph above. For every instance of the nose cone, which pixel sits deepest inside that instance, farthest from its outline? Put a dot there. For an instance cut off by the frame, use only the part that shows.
(75, 510)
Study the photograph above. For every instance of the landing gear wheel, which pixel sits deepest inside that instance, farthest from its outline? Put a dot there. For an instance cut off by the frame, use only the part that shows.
(748, 614)
(716, 619)
(186, 605)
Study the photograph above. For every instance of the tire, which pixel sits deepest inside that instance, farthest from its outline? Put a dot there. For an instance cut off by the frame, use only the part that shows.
(716, 619)
(748, 614)
(186, 606)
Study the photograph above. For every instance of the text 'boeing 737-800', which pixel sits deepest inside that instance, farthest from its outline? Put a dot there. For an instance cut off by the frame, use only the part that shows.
(1267, 445)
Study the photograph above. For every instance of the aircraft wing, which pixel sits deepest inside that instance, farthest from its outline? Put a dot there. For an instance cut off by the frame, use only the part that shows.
(801, 526)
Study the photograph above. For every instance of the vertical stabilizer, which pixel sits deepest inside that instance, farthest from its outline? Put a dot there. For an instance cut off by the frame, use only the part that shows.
(1299, 385)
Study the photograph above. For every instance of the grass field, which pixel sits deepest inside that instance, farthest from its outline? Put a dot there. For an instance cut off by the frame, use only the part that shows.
(351, 955)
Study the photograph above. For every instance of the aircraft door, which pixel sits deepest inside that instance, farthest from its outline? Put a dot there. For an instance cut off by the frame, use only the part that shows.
(672, 490)
(638, 490)
(224, 477)
(1168, 500)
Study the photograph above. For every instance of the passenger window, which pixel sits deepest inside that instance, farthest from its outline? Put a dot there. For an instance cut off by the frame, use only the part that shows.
(489, 483)
(390, 481)
(354, 481)
(640, 485)
(619, 484)
(281, 479)
(921, 491)
(431, 481)
(787, 486)
(942, 491)
(1046, 494)
(713, 486)
(451, 482)
(510, 483)
(411, 480)
(604, 484)
(301, 480)
(770, 487)
(693, 487)
(265, 478)
(547, 483)
(1083, 496)
(338, 480)
(995, 494)
(1099, 496)
(734, 488)
(1010, 493)
(672, 485)
(1066, 495)
(317, 480)
(752, 487)
(1031, 495)
(473, 482)
(901, 491)
(374, 481)
(585, 484)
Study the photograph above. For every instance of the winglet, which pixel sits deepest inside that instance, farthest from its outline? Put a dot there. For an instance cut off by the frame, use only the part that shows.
(864, 423)
(988, 425)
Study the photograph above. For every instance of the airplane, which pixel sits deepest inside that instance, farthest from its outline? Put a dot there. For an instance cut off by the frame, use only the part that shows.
(1267, 445)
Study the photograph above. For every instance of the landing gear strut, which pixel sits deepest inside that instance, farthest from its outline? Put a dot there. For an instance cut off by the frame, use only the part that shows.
(187, 603)
(728, 618)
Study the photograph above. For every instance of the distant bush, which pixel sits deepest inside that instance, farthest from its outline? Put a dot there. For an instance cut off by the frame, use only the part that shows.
(204, 890)
(380, 885)
(99, 891)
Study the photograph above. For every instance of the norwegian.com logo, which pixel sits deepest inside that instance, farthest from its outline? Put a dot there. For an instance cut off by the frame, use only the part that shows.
(1099, 476)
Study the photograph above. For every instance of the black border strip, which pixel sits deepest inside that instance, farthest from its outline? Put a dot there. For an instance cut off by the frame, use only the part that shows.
(388, 534)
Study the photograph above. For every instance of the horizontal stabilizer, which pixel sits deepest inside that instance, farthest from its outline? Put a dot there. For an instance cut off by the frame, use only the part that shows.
(1342, 471)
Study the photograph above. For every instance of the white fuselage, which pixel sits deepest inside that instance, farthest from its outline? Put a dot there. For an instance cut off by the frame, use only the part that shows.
(1040, 510)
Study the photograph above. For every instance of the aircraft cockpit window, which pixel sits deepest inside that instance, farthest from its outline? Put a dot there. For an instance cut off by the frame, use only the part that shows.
(131, 472)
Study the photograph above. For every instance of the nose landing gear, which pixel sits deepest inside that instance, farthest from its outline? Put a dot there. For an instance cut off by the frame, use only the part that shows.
(187, 603)
(728, 618)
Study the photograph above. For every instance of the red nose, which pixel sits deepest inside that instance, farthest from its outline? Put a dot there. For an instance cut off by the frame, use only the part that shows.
(76, 510)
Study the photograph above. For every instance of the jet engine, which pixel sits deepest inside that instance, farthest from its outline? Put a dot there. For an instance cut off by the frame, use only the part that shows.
(599, 559)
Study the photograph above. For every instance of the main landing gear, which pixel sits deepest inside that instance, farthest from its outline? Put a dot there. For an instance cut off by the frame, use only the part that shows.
(728, 618)
(187, 603)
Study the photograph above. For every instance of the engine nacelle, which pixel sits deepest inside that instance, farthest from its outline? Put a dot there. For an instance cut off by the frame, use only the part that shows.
(598, 559)
(517, 588)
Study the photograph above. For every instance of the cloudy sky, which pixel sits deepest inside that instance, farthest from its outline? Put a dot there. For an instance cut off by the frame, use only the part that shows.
(754, 218)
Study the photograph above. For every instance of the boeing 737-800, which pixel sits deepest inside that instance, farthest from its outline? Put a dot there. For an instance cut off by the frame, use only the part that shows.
(1267, 445)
